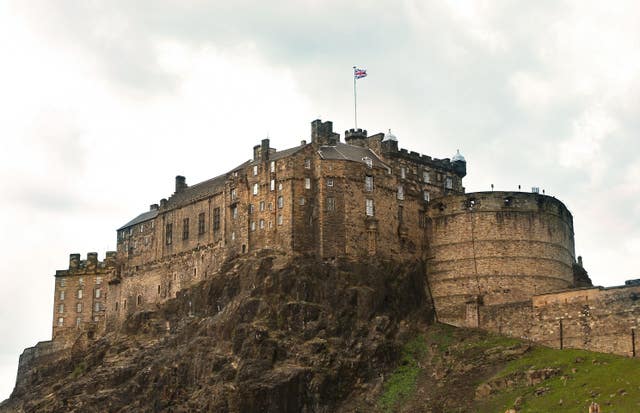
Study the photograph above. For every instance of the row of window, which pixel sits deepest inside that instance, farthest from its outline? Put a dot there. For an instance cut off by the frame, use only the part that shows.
(272, 167)
(186, 226)
(96, 307)
(78, 321)
(426, 177)
(79, 294)
(63, 281)
(141, 227)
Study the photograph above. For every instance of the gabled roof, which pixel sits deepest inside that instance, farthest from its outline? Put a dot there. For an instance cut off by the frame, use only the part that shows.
(145, 216)
(286, 152)
(343, 151)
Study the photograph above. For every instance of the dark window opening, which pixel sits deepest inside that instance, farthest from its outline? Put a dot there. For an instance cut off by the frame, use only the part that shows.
(216, 219)
(169, 234)
(185, 228)
(201, 223)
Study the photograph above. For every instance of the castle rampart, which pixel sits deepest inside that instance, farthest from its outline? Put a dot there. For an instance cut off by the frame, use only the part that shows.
(495, 248)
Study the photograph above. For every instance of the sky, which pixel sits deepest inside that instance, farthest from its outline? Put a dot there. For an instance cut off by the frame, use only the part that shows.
(102, 103)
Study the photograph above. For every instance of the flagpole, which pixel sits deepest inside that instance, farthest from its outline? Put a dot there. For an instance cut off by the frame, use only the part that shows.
(355, 101)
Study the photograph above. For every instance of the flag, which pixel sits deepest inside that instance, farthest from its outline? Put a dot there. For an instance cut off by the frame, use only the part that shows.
(359, 73)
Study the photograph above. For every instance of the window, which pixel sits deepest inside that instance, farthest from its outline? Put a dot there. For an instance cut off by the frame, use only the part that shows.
(250, 209)
(272, 185)
(261, 224)
(233, 235)
(255, 170)
(369, 207)
(329, 182)
(425, 196)
(331, 204)
(253, 225)
(280, 219)
(78, 322)
(270, 224)
(130, 230)
(403, 172)
(61, 295)
(98, 280)
(368, 183)
(80, 294)
(448, 183)
(61, 308)
(422, 219)
(425, 176)
(60, 321)
(279, 186)
(273, 166)
(141, 227)
(96, 318)
(124, 304)
(234, 193)
(307, 163)
(98, 293)
(307, 183)
(116, 306)
(400, 192)
(256, 189)
(201, 223)
(216, 219)
(261, 205)
(234, 212)
(63, 282)
(80, 280)
(400, 213)
(302, 200)
(280, 202)
(97, 307)
(79, 307)
(169, 234)
(139, 301)
(368, 161)
(185, 228)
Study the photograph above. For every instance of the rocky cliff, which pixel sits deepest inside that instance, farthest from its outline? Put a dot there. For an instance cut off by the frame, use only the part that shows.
(266, 334)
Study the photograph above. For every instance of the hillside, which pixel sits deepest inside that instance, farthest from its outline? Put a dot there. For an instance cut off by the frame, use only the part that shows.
(271, 335)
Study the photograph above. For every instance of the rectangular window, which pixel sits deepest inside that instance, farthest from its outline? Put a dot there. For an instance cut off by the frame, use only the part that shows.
(62, 295)
(79, 294)
(63, 282)
(201, 223)
(280, 202)
(331, 204)
(273, 166)
(98, 293)
(98, 280)
(307, 163)
(422, 219)
(448, 183)
(280, 186)
(256, 189)
(270, 206)
(97, 307)
(61, 308)
(400, 192)
(280, 219)
(255, 170)
(233, 236)
(185, 228)
(302, 200)
(234, 193)
(79, 307)
(425, 177)
(216, 219)
(261, 224)
(60, 321)
(329, 182)
(78, 322)
(169, 234)
(234, 212)
(369, 207)
(307, 183)
(368, 183)
(400, 213)
(403, 172)
(261, 205)
(272, 185)
(250, 209)
(141, 227)
(426, 196)
(253, 225)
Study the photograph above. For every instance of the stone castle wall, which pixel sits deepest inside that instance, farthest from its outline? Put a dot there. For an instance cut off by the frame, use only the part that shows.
(497, 248)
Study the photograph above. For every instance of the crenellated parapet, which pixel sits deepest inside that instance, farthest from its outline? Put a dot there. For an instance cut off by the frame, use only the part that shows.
(89, 265)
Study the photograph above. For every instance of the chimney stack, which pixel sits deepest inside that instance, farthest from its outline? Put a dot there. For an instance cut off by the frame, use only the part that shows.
(181, 183)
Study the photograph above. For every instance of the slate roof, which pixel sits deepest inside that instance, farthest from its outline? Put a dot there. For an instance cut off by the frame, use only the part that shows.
(145, 216)
(343, 151)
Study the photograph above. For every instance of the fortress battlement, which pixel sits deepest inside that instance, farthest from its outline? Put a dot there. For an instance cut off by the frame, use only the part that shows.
(88, 265)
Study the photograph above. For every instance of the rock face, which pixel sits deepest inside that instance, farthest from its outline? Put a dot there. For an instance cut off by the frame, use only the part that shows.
(266, 334)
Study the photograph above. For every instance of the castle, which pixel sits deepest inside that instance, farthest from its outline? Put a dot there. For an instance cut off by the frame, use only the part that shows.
(501, 261)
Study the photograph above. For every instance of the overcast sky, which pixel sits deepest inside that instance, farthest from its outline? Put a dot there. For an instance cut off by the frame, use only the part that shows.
(102, 103)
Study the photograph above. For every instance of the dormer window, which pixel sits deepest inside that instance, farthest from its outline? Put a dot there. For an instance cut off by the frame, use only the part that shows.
(368, 161)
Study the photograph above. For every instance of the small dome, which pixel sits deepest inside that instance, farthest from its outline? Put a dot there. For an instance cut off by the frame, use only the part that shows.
(457, 157)
(390, 137)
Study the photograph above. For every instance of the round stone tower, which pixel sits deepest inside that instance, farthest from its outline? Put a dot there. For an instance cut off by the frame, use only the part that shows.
(489, 248)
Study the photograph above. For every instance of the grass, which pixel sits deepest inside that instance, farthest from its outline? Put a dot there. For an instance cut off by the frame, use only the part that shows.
(611, 381)
(402, 383)
(79, 370)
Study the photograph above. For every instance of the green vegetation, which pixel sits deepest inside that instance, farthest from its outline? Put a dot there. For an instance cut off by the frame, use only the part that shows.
(402, 383)
(611, 381)
(79, 370)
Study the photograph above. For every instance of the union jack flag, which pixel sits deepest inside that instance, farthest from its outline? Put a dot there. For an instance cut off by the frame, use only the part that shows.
(359, 73)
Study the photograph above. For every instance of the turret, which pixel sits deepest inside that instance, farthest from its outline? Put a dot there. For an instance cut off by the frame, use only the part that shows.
(459, 164)
(355, 137)
(390, 143)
